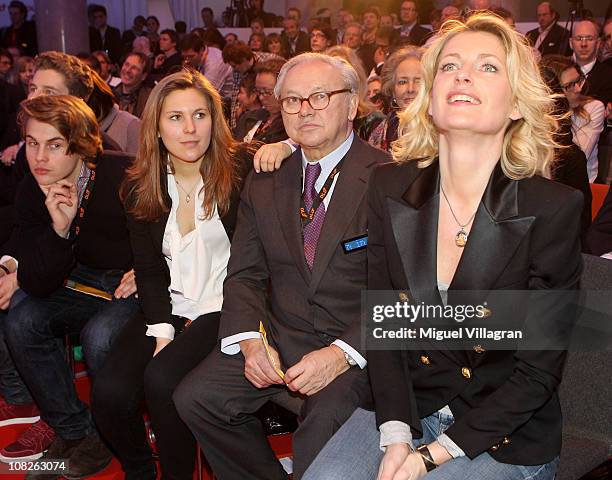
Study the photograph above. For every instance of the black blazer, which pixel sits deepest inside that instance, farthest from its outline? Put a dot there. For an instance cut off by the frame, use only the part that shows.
(418, 36)
(112, 42)
(302, 44)
(304, 310)
(556, 42)
(525, 236)
(599, 237)
(150, 267)
(598, 84)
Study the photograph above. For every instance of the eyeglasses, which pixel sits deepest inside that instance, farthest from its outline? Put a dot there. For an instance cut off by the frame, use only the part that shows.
(317, 101)
(317, 34)
(264, 92)
(585, 38)
(572, 84)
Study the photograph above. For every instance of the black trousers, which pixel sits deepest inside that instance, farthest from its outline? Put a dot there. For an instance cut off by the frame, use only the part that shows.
(218, 404)
(130, 375)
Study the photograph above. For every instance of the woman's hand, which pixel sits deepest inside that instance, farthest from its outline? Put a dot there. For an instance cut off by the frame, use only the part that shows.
(8, 286)
(270, 157)
(62, 204)
(400, 464)
(127, 286)
(160, 344)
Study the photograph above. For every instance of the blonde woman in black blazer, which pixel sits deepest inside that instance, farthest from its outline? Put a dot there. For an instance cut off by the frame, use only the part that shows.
(474, 212)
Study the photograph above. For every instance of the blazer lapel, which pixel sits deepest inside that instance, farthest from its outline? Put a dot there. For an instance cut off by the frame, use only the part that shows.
(415, 228)
(346, 197)
(496, 233)
(287, 195)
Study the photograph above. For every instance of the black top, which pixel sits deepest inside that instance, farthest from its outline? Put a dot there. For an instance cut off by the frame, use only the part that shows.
(45, 258)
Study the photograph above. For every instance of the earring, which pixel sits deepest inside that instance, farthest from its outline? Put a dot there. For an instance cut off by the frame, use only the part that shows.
(158, 135)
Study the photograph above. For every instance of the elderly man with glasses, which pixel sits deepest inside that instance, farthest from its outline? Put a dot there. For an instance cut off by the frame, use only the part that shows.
(298, 265)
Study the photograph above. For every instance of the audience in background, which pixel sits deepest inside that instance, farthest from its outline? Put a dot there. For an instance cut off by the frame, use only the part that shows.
(132, 93)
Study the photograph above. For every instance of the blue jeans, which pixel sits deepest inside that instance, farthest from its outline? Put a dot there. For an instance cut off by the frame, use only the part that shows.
(34, 333)
(353, 453)
(12, 387)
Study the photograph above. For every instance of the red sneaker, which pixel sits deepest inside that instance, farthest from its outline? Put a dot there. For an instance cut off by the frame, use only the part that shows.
(17, 414)
(30, 445)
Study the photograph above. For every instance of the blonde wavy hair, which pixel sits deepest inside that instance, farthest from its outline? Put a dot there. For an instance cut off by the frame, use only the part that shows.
(528, 146)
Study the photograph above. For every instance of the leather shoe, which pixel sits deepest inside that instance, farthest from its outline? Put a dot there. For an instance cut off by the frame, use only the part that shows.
(59, 450)
(88, 458)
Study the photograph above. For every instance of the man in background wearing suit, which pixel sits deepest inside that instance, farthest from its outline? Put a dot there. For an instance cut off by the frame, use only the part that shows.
(298, 264)
(102, 36)
(293, 40)
(410, 32)
(584, 43)
(550, 37)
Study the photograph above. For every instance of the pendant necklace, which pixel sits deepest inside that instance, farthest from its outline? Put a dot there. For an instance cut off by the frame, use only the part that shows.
(187, 194)
(461, 237)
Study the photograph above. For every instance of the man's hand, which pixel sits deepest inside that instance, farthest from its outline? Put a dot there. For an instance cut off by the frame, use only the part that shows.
(62, 203)
(400, 464)
(160, 344)
(9, 154)
(316, 370)
(8, 286)
(257, 367)
(127, 286)
(270, 157)
(159, 61)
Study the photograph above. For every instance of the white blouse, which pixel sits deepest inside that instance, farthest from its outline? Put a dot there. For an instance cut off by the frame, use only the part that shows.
(586, 134)
(197, 263)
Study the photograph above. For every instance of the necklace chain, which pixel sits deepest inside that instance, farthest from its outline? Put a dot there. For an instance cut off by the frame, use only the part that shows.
(187, 193)
(461, 236)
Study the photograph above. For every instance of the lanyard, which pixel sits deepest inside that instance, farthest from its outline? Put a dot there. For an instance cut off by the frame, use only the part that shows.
(75, 228)
(316, 202)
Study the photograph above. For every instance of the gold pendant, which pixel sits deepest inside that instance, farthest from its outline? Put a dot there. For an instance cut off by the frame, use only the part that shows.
(187, 198)
(461, 238)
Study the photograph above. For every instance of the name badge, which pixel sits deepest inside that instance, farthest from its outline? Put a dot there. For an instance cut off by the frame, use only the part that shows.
(355, 244)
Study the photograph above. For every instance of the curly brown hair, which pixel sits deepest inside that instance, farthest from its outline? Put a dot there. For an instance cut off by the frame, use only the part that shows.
(71, 117)
(76, 73)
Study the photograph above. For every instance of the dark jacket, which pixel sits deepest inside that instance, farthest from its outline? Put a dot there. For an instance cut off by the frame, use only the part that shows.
(23, 37)
(555, 43)
(305, 310)
(111, 44)
(599, 237)
(302, 44)
(598, 84)
(150, 267)
(525, 236)
(46, 259)
(418, 36)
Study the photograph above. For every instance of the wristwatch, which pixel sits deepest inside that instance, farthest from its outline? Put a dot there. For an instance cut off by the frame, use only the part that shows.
(349, 359)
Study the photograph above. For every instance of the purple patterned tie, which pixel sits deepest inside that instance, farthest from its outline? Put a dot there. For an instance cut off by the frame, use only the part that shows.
(313, 229)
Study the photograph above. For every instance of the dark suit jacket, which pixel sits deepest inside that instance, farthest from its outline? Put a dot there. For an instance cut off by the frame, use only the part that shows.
(525, 236)
(598, 84)
(302, 44)
(305, 311)
(150, 267)
(556, 42)
(599, 236)
(112, 42)
(23, 37)
(418, 36)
